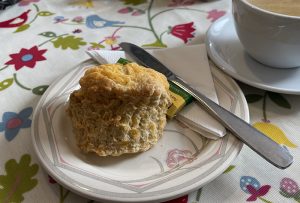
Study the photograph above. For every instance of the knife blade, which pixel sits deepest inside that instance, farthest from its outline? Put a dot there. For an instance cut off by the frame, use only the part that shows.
(257, 141)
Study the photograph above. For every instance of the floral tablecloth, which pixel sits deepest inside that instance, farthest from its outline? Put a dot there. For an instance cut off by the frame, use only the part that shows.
(42, 39)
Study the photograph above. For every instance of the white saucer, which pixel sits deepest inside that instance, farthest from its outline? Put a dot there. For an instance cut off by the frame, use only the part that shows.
(226, 51)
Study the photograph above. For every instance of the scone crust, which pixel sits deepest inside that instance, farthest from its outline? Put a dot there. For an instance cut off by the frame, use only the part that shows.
(119, 109)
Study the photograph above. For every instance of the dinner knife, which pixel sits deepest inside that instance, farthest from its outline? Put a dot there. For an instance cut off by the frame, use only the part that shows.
(264, 146)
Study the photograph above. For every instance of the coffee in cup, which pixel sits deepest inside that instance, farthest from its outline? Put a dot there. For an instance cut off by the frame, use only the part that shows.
(285, 7)
(269, 30)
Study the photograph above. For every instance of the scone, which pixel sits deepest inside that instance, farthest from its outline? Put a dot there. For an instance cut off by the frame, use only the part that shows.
(119, 109)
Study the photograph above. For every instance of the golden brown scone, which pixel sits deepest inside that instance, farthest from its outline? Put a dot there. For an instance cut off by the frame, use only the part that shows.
(119, 109)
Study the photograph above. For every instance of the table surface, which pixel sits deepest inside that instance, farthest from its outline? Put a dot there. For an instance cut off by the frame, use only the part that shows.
(41, 40)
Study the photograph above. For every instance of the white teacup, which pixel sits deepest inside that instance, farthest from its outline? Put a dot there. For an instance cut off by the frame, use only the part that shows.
(271, 38)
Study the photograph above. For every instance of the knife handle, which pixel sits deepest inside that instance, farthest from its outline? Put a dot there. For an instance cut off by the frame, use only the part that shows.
(257, 141)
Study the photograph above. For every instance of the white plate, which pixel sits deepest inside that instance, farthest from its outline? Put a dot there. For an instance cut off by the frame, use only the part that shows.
(225, 49)
(179, 163)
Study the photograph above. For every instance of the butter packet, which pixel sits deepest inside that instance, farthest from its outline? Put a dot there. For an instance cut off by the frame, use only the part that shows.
(180, 98)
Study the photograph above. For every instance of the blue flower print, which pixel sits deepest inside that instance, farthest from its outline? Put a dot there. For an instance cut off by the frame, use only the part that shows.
(59, 19)
(12, 122)
(95, 21)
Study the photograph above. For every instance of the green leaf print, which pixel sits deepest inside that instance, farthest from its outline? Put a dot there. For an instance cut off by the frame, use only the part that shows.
(22, 28)
(45, 13)
(70, 41)
(285, 194)
(251, 98)
(279, 100)
(134, 2)
(230, 168)
(96, 45)
(297, 196)
(155, 44)
(48, 34)
(18, 179)
(6, 83)
(40, 89)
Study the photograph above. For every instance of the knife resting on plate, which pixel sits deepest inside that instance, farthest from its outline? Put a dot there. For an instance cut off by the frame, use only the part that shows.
(260, 143)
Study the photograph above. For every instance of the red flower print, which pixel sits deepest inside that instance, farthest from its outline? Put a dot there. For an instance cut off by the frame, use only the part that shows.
(183, 199)
(26, 57)
(183, 31)
(177, 156)
(181, 2)
(214, 15)
(51, 180)
(16, 21)
(27, 2)
(77, 31)
(257, 193)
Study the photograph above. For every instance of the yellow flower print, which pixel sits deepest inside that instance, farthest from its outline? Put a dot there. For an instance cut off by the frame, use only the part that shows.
(266, 127)
(110, 40)
(274, 132)
(85, 3)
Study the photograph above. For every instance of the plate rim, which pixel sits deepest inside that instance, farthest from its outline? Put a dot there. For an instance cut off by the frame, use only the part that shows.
(227, 68)
(89, 195)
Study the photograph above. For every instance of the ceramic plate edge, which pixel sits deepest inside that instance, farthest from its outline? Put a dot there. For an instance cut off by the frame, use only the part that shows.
(116, 199)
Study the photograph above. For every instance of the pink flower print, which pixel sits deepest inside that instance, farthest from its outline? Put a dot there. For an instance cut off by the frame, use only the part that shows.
(177, 157)
(138, 12)
(290, 189)
(27, 2)
(125, 10)
(214, 15)
(183, 31)
(78, 19)
(174, 3)
(252, 186)
(134, 12)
